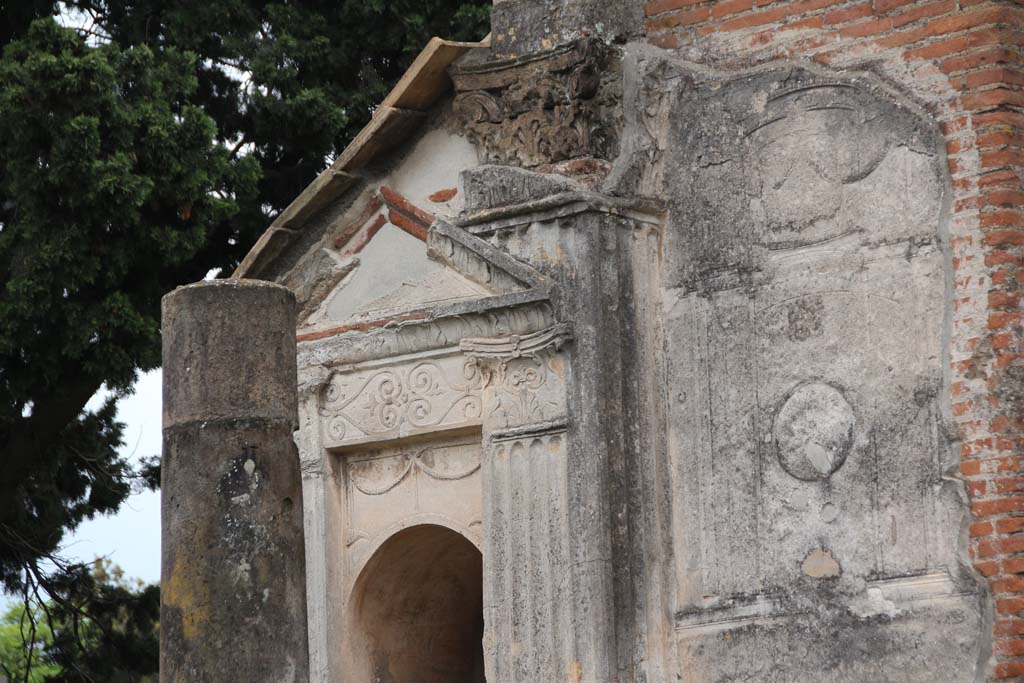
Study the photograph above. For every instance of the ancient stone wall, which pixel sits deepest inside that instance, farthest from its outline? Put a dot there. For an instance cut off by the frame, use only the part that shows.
(804, 289)
(960, 65)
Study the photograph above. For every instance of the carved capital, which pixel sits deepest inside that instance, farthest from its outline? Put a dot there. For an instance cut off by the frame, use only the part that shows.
(524, 380)
(544, 108)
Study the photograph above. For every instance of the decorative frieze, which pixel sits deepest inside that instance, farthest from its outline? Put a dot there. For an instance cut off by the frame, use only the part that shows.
(397, 486)
(425, 394)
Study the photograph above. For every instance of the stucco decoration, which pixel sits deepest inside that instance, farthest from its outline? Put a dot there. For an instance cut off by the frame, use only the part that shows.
(805, 274)
(392, 487)
(400, 400)
(377, 264)
(524, 379)
(813, 431)
(393, 273)
(662, 346)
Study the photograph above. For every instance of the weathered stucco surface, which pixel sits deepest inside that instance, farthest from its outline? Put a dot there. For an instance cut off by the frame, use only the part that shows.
(807, 345)
(645, 358)
(742, 468)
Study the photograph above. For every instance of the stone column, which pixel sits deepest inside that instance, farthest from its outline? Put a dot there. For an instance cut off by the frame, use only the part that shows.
(574, 457)
(233, 573)
(519, 27)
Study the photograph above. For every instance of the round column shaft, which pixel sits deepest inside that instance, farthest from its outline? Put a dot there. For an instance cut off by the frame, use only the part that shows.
(233, 568)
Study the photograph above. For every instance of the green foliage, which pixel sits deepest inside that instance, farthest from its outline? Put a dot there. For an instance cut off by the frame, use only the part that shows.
(114, 640)
(113, 187)
(105, 628)
(313, 70)
(17, 642)
(149, 143)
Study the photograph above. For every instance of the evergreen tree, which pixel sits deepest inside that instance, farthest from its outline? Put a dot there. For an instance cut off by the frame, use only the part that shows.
(142, 144)
(104, 628)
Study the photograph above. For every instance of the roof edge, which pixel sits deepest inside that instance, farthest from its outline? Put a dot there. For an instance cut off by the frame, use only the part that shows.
(400, 113)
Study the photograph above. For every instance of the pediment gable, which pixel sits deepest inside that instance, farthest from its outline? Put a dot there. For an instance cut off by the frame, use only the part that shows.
(400, 114)
(393, 273)
(393, 260)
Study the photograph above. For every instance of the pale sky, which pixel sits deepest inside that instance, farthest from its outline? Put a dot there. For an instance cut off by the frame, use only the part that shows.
(131, 538)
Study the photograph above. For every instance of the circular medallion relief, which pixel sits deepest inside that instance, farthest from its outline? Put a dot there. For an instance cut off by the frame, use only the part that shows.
(813, 431)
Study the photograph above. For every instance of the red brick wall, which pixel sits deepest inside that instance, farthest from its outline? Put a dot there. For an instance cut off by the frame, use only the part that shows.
(964, 62)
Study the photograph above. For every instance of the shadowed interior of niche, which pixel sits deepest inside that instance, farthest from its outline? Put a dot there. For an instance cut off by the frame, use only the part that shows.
(419, 609)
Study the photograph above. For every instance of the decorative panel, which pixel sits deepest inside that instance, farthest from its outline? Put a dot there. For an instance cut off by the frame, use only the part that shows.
(390, 488)
(424, 394)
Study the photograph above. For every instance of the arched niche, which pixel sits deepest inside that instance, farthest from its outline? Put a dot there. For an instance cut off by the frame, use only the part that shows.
(417, 609)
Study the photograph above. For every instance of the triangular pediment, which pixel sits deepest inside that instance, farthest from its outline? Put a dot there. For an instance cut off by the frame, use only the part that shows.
(396, 118)
(395, 273)
(390, 259)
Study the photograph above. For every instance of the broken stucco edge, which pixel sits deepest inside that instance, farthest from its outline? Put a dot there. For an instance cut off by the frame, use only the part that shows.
(487, 253)
(560, 205)
(422, 316)
(518, 345)
(328, 185)
(396, 118)
(405, 215)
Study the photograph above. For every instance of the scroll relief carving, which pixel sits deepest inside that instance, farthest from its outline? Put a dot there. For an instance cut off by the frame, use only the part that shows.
(561, 105)
(400, 400)
(525, 379)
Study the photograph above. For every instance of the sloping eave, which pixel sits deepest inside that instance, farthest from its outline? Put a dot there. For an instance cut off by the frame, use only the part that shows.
(393, 121)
